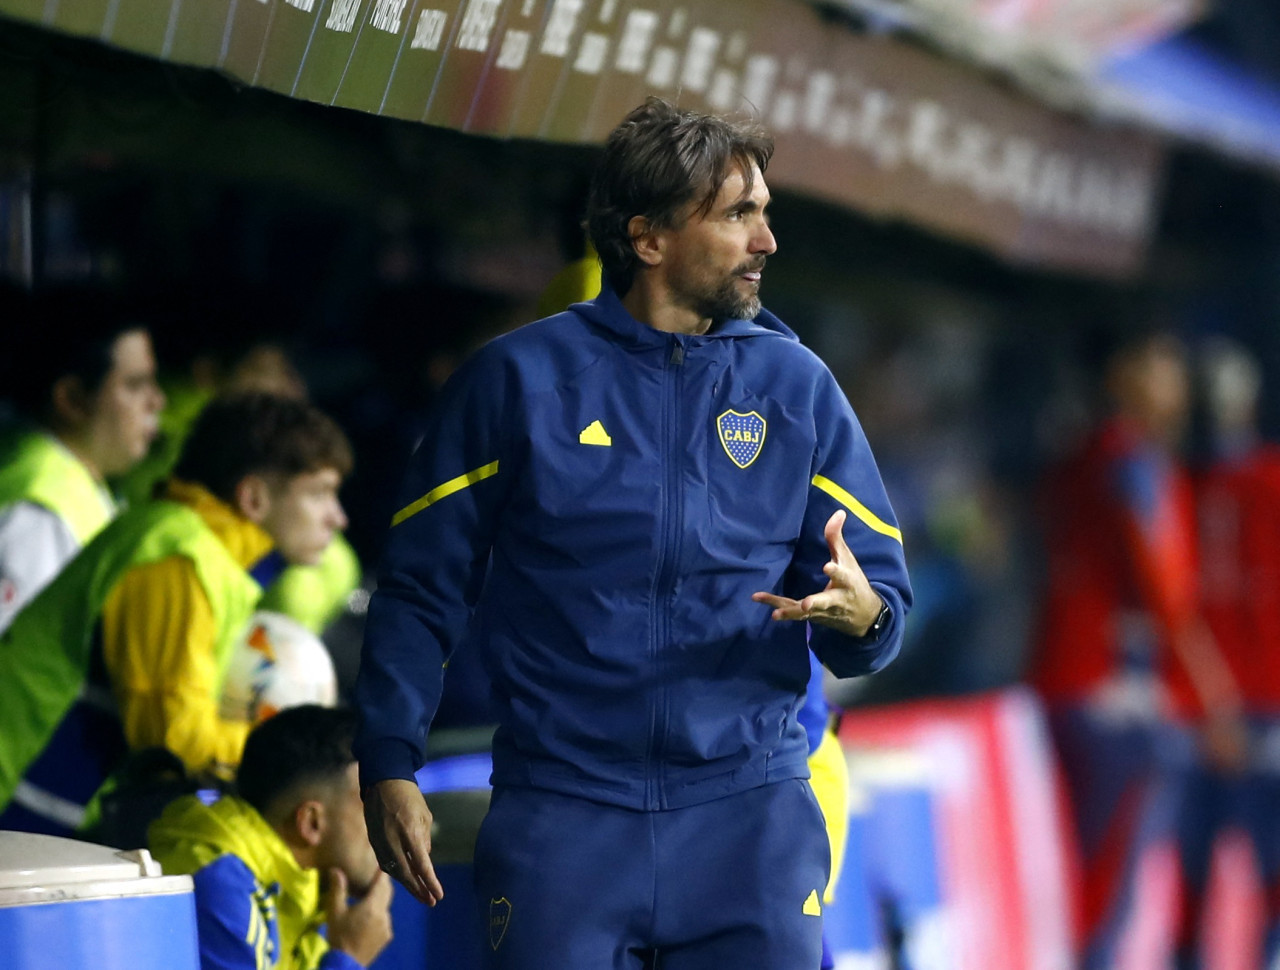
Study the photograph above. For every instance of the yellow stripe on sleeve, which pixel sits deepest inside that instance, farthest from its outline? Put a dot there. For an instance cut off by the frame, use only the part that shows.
(869, 518)
(445, 490)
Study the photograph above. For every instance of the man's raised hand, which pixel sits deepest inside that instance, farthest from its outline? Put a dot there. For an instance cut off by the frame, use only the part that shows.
(848, 603)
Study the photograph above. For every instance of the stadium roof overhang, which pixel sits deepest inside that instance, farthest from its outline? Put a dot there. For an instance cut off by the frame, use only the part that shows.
(864, 117)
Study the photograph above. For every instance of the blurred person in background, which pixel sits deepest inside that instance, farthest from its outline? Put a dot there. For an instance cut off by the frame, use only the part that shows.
(313, 594)
(1125, 660)
(257, 857)
(82, 377)
(664, 465)
(1238, 496)
(127, 648)
(829, 779)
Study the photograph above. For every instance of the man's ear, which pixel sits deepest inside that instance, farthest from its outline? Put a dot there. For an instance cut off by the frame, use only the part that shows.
(69, 402)
(309, 821)
(645, 240)
(253, 498)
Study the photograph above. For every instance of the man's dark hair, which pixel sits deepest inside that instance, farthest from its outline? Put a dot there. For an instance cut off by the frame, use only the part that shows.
(259, 434)
(299, 746)
(64, 332)
(657, 161)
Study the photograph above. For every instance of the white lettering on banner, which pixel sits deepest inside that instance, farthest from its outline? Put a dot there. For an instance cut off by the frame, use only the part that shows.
(306, 6)
(700, 58)
(478, 21)
(874, 134)
(607, 9)
(592, 53)
(924, 129)
(675, 26)
(786, 107)
(723, 95)
(737, 48)
(515, 49)
(387, 15)
(759, 77)
(998, 167)
(560, 26)
(637, 35)
(818, 98)
(342, 15)
(840, 127)
(662, 69)
(430, 30)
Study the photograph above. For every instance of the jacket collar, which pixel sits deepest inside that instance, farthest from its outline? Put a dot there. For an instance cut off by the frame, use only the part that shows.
(190, 834)
(607, 312)
(248, 543)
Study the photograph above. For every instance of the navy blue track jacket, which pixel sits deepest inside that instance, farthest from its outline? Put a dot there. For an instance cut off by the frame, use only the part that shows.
(592, 506)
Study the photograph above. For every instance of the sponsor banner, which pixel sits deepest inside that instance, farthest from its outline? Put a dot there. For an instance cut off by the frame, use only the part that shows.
(475, 45)
(508, 88)
(869, 122)
(962, 816)
(624, 82)
(584, 44)
(429, 28)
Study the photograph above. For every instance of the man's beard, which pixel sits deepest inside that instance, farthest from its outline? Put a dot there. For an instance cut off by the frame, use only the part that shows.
(725, 302)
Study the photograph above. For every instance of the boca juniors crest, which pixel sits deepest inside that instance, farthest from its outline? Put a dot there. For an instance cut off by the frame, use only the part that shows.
(499, 919)
(742, 436)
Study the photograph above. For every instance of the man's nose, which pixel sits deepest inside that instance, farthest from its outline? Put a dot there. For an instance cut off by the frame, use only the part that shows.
(763, 241)
(339, 517)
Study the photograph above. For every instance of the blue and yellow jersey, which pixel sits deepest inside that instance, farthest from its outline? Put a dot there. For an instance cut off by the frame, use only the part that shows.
(256, 908)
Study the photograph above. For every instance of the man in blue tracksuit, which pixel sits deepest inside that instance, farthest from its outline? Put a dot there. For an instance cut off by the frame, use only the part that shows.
(642, 511)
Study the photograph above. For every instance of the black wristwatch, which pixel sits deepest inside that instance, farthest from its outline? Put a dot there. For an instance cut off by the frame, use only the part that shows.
(879, 623)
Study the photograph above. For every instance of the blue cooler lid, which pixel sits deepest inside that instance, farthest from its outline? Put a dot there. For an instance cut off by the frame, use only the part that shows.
(46, 868)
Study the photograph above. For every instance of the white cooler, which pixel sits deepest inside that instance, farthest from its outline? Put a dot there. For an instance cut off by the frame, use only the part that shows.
(66, 904)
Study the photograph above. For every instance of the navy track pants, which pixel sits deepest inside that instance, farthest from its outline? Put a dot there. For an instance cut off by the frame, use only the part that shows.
(565, 883)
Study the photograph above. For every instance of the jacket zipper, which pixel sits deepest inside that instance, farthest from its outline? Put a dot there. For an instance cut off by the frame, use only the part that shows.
(670, 518)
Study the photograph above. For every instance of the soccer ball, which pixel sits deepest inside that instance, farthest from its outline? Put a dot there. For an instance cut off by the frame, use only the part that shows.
(276, 663)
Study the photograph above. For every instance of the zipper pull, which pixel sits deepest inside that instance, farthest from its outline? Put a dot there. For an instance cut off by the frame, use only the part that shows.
(677, 354)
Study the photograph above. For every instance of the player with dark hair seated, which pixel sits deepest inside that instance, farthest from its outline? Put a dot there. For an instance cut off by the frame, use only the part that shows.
(256, 858)
(128, 647)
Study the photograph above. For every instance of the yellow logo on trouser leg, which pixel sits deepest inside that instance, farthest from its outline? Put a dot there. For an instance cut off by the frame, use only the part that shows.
(499, 919)
(811, 905)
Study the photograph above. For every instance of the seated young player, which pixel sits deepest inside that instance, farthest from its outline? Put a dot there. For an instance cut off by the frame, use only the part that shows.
(256, 858)
(127, 648)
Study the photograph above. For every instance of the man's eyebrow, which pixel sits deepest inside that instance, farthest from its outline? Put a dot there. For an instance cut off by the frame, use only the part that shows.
(747, 204)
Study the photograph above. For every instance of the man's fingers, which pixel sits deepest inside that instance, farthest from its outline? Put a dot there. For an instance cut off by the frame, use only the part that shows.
(843, 575)
(774, 600)
(336, 904)
(406, 870)
(399, 823)
(784, 608)
(833, 532)
(379, 895)
(419, 877)
(429, 883)
(413, 860)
